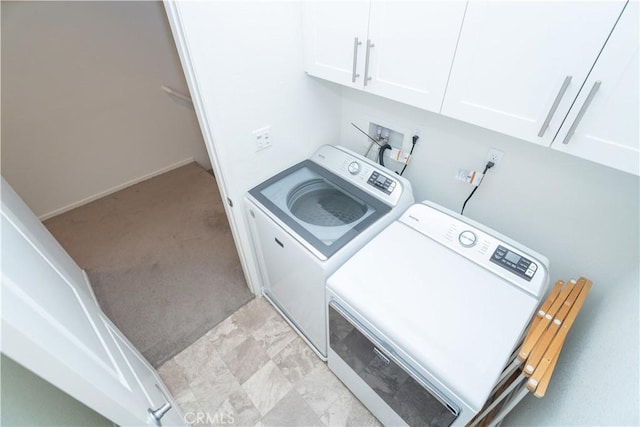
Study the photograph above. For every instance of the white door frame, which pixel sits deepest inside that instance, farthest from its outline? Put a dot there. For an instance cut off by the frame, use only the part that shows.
(243, 245)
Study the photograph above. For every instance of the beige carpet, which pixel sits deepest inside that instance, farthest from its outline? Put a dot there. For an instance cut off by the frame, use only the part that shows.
(161, 259)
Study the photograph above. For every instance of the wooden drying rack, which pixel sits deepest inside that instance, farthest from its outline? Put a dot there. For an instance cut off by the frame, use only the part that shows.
(532, 365)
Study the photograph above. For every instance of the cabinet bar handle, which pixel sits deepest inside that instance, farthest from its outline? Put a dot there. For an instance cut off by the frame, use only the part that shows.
(587, 102)
(366, 62)
(356, 43)
(554, 107)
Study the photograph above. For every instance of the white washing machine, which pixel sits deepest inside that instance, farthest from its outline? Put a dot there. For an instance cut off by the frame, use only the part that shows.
(423, 319)
(309, 219)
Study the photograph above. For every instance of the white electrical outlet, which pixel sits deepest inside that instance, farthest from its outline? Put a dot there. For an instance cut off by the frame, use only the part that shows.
(262, 137)
(494, 156)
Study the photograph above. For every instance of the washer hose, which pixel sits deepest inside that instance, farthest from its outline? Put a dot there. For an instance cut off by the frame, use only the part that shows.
(384, 148)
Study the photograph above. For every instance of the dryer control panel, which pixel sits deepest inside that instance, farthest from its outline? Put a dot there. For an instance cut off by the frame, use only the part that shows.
(481, 245)
(514, 262)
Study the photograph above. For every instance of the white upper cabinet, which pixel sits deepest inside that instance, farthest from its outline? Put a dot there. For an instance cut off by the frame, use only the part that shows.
(520, 65)
(401, 50)
(413, 46)
(335, 40)
(602, 125)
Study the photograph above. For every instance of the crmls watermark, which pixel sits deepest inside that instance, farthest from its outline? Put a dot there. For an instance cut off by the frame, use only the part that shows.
(202, 418)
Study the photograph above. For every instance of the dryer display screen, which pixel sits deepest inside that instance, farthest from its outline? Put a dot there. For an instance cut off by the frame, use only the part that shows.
(512, 257)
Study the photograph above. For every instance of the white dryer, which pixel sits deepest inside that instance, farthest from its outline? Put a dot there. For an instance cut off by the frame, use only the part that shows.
(423, 319)
(309, 219)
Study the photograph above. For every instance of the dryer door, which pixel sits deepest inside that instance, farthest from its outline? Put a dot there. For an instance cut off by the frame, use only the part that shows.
(324, 210)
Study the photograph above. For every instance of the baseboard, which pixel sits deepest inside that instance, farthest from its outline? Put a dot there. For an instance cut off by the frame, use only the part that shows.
(114, 189)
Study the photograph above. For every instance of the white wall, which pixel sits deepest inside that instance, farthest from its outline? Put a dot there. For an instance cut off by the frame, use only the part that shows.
(28, 400)
(82, 112)
(247, 63)
(584, 217)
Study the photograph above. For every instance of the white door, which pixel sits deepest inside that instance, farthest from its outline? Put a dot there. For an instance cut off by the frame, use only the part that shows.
(335, 35)
(603, 124)
(52, 325)
(413, 47)
(520, 65)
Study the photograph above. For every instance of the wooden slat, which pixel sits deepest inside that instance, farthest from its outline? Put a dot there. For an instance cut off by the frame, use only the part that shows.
(541, 389)
(556, 345)
(537, 332)
(543, 343)
(555, 291)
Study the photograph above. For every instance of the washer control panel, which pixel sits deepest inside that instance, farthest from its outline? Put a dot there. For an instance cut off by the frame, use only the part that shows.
(381, 182)
(513, 262)
(364, 174)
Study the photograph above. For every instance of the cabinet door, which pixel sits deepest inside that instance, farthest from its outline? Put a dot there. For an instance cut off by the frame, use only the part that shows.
(335, 35)
(413, 46)
(520, 65)
(602, 125)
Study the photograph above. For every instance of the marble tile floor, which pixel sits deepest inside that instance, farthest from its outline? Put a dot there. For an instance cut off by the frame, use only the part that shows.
(252, 369)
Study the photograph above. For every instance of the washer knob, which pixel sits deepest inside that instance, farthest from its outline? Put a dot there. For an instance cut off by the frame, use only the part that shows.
(467, 238)
(354, 168)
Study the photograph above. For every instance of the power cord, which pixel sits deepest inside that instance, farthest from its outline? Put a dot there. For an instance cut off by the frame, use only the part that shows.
(413, 142)
(486, 168)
